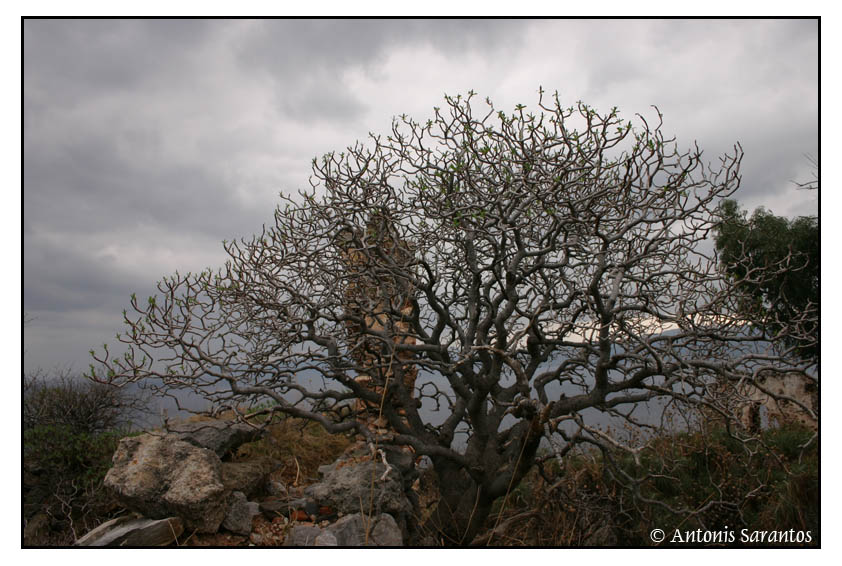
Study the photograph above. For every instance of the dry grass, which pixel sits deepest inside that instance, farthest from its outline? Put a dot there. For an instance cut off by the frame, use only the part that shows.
(299, 447)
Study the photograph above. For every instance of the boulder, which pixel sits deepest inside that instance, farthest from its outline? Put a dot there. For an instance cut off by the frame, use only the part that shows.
(133, 530)
(219, 436)
(351, 531)
(302, 535)
(248, 477)
(161, 476)
(359, 486)
(326, 539)
(240, 514)
(386, 532)
(274, 507)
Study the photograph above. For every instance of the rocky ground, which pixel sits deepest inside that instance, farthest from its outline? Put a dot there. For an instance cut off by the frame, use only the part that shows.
(182, 488)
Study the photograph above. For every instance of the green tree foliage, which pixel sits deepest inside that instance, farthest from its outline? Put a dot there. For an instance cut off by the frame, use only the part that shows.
(775, 262)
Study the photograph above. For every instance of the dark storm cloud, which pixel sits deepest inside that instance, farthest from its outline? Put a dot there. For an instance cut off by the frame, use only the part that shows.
(112, 190)
(147, 142)
(59, 280)
(87, 57)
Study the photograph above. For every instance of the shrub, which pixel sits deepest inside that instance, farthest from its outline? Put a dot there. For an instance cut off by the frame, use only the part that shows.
(76, 403)
(687, 481)
(70, 431)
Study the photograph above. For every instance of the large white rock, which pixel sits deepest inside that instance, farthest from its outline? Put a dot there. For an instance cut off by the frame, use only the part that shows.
(161, 476)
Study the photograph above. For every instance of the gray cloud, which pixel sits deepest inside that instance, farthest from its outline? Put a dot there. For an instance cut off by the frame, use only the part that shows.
(147, 142)
(280, 47)
(307, 60)
(71, 60)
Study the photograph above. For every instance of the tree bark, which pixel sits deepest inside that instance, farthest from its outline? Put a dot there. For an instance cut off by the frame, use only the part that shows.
(462, 509)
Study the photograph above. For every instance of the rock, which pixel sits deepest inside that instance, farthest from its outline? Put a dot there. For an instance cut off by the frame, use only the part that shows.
(295, 492)
(161, 476)
(351, 531)
(326, 538)
(247, 477)
(386, 532)
(219, 436)
(242, 511)
(272, 508)
(311, 507)
(399, 458)
(325, 469)
(302, 535)
(298, 502)
(132, 530)
(276, 488)
(349, 489)
(271, 533)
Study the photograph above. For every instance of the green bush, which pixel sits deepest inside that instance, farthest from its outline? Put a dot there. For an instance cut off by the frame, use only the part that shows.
(60, 451)
(71, 428)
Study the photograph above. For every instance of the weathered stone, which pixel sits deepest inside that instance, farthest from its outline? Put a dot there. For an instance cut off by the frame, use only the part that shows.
(276, 488)
(399, 458)
(326, 469)
(242, 511)
(247, 477)
(302, 535)
(272, 508)
(350, 530)
(132, 530)
(386, 531)
(350, 486)
(779, 410)
(326, 538)
(219, 436)
(164, 477)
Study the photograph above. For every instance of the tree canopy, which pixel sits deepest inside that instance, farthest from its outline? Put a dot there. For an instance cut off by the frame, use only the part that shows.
(774, 262)
(542, 272)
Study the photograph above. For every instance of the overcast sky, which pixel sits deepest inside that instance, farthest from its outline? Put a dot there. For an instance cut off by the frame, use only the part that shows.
(146, 143)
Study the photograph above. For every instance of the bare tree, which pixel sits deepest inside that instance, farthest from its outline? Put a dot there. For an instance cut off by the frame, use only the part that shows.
(538, 271)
